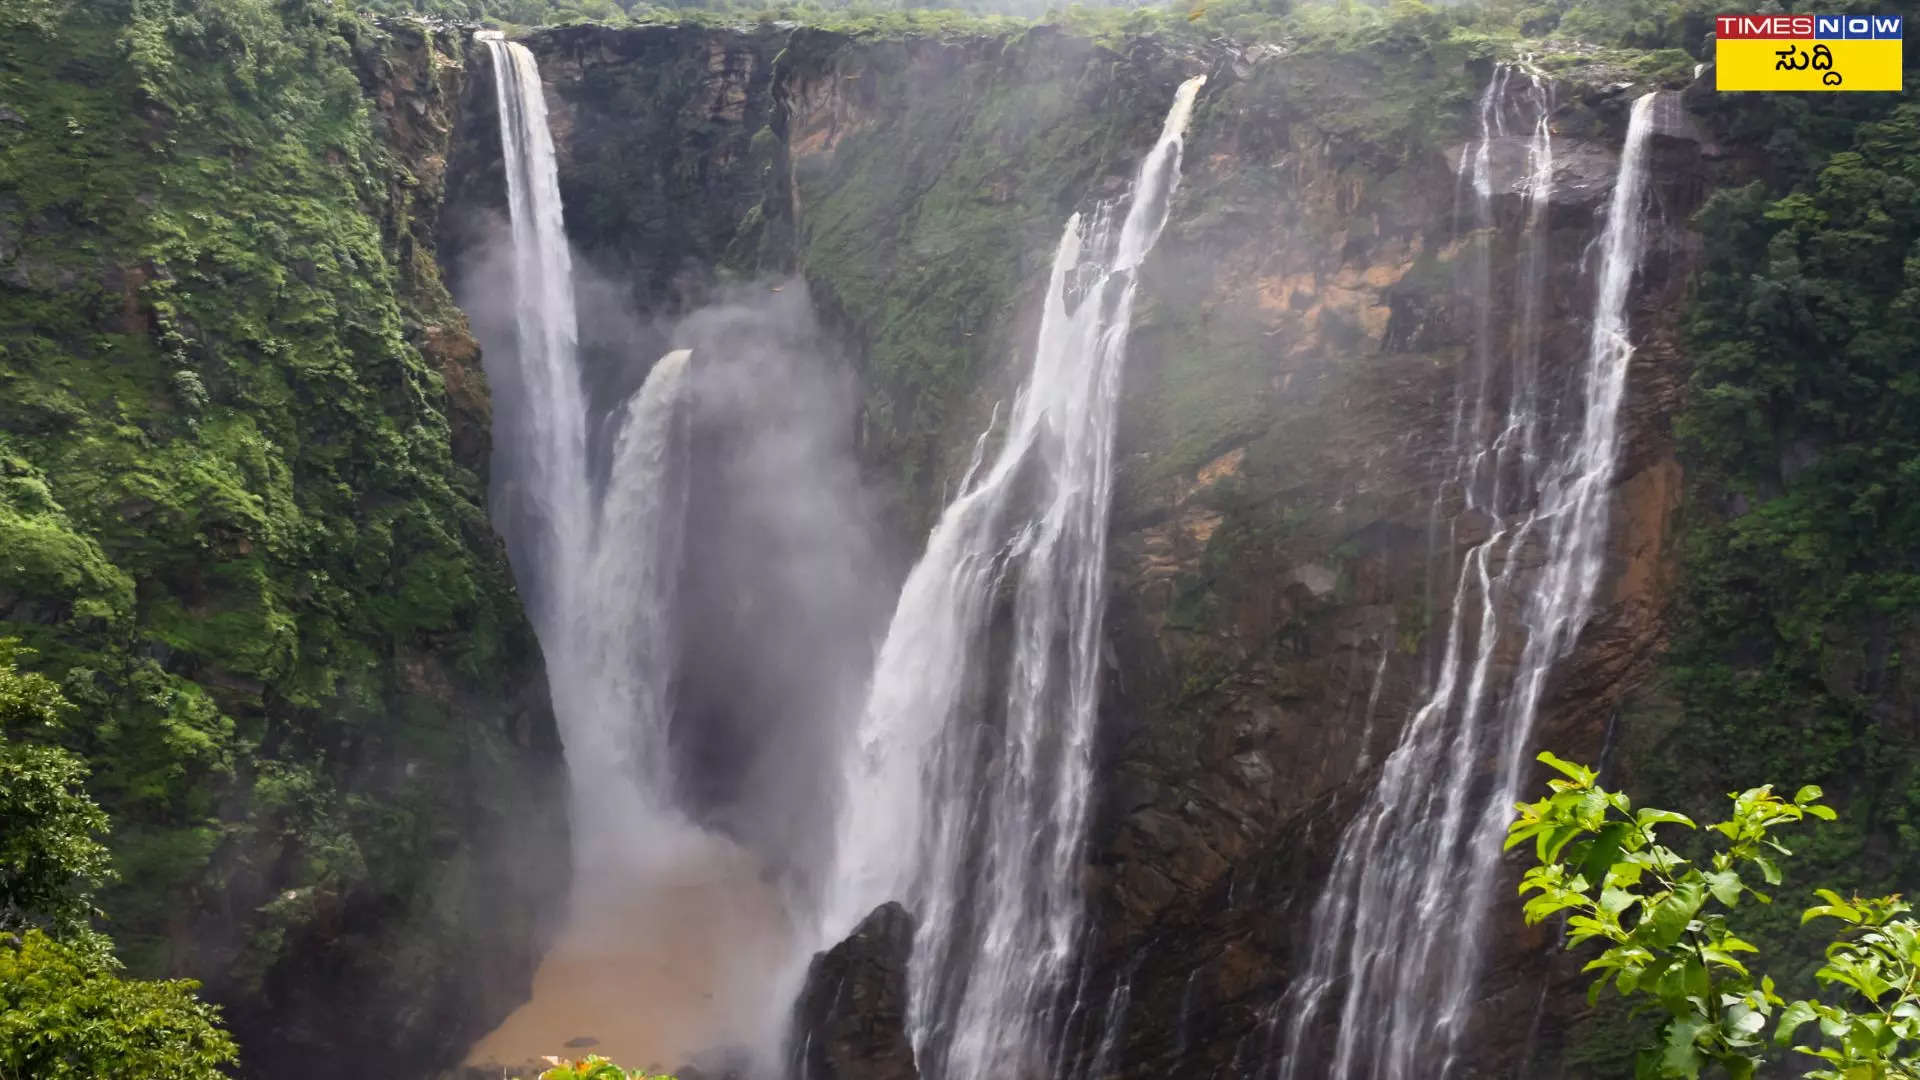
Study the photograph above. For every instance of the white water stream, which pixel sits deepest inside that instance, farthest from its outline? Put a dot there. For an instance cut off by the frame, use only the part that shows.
(603, 562)
(671, 930)
(966, 792)
(1397, 931)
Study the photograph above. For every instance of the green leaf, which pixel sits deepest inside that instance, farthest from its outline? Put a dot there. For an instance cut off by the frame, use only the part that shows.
(1744, 1021)
(1647, 817)
(1725, 886)
(1600, 852)
(1579, 774)
(1680, 1056)
(1614, 901)
(1670, 916)
(1792, 1018)
(1723, 958)
(1834, 907)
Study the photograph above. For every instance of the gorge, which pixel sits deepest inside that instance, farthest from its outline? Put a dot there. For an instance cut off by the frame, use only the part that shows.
(771, 548)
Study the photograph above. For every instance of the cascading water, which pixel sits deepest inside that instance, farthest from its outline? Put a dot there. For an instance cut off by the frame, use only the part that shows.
(597, 565)
(972, 806)
(552, 459)
(670, 930)
(1397, 930)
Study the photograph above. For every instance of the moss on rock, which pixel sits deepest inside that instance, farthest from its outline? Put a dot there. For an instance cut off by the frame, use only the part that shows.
(237, 532)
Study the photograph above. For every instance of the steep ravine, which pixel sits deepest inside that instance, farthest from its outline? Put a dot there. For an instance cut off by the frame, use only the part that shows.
(244, 450)
(1292, 367)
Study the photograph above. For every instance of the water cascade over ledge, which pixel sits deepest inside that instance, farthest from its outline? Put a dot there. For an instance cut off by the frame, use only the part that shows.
(598, 565)
(967, 791)
(1397, 931)
(665, 919)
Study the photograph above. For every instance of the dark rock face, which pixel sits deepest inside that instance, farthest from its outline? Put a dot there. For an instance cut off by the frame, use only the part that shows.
(850, 1021)
(1250, 708)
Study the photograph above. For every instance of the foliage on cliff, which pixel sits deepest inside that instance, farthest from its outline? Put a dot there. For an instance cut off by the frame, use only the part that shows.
(1642, 24)
(1802, 434)
(1670, 927)
(919, 225)
(235, 534)
(65, 1010)
(929, 220)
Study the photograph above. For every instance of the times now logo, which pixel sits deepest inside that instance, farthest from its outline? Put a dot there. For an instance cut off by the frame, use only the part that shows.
(1829, 27)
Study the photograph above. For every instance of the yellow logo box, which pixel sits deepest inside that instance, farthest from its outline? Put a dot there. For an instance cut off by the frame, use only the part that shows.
(1787, 64)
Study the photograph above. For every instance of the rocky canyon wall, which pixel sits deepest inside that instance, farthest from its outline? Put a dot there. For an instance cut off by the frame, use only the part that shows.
(244, 445)
(1278, 585)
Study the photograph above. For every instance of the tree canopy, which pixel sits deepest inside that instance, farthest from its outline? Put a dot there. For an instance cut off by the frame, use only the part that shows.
(66, 1012)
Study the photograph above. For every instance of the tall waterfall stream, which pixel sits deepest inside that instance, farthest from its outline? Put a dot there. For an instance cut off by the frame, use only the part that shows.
(1397, 930)
(669, 924)
(981, 829)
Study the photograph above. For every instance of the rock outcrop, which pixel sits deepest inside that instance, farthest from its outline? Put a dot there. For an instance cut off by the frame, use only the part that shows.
(850, 1022)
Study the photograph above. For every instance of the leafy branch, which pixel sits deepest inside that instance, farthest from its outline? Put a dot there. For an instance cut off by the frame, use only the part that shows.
(1664, 920)
(595, 1067)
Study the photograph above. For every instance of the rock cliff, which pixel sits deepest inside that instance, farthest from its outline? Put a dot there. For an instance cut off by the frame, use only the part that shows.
(1276, 578)
(244, 437)
(244, 446)
(851, 1020)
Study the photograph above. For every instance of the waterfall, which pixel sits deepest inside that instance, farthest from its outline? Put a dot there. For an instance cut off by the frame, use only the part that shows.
(598, 565)
(619, 631)
(971, 803)
(1397, 931)
(552, 461)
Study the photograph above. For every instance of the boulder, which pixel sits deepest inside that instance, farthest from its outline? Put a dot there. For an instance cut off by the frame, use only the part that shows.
(850, 1022)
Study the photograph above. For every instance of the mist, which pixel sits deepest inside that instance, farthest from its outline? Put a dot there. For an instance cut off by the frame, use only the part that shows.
(680, 940)
(785, 588)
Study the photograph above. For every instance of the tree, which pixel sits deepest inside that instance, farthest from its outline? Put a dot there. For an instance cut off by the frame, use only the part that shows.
(1664, 920)
(66, 1013)
(50, 859)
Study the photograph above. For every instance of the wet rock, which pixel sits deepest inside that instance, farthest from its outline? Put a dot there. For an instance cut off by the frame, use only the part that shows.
(1583, 175)
(851, 1020)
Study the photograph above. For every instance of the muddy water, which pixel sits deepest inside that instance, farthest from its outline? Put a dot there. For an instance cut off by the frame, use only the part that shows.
(657, 964)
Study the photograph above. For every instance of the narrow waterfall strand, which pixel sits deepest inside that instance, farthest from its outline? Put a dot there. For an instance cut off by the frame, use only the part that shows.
(980, 827)
(1398, 928)
(552, 462)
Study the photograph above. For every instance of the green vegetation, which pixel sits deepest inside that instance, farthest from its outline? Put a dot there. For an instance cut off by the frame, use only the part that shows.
(50, 860)
(66, 1012)
(1799, 610)
(236, 536)
(1666, 921)
(1631, 24)
(595, 1067)
(920, 228)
